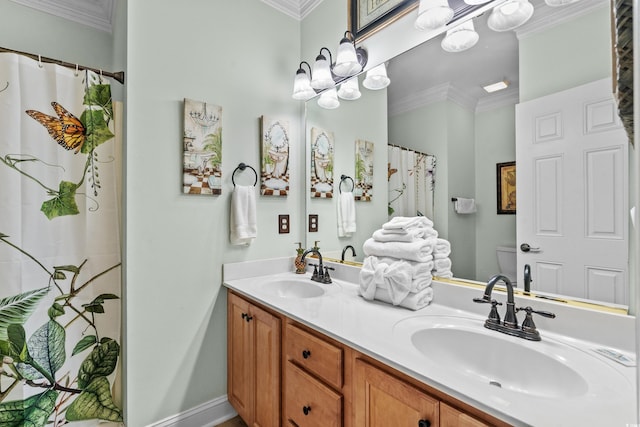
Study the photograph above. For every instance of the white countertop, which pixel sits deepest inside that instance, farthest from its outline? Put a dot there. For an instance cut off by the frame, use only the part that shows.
(383, 332)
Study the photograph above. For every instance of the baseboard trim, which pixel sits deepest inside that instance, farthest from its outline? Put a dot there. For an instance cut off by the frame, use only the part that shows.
(208, 414)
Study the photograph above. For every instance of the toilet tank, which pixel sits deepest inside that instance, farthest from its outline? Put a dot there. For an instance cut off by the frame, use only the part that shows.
(507, 262)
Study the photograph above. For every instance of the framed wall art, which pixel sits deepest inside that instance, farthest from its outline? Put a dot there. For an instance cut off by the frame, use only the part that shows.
(366, 17)
(506, 181)
(363, 190)
(202, 148)
(274, 145)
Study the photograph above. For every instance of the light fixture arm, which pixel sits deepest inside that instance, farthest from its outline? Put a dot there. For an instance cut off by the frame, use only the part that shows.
(301, 70)
(321, 56)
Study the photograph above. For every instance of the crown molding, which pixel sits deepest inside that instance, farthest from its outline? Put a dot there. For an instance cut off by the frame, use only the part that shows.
(505, 97)
(438, 93)
(547, 17)
(297, 9)
(94, 13)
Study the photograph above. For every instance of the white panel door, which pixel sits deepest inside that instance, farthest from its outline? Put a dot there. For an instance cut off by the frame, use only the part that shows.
(572, 194)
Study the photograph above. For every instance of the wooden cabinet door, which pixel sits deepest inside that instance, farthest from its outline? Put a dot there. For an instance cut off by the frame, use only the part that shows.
(451, 417)
(240, 356)
(267, 368)
(308, 402)
(382, 400)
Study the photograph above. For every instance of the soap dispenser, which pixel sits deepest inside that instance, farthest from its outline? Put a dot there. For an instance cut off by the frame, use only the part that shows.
(298, 262)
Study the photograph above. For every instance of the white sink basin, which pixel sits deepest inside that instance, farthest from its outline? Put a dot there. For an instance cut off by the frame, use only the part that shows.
(294, 288)
(548, 369)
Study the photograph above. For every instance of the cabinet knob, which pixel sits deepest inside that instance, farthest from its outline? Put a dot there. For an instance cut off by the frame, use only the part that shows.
(306, 354)
(306, 409)
(246, 317)
(424, 423)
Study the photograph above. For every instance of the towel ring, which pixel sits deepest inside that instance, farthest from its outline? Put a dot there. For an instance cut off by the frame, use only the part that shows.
(343, 178)
(242, 167)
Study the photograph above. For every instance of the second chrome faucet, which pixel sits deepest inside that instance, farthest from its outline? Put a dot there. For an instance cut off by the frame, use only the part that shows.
(510, 323)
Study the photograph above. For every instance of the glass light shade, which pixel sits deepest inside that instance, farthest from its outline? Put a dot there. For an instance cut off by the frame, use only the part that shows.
(329, 99)
(376, 78)
(302, 89)
(347, 63)
(510, 15)
(321, 74)
(555, 3)
(349, 90)
(475, 2)
(433, 14)
(460, 38)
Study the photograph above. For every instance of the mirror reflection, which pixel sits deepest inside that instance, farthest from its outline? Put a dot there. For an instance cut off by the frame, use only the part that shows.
(436, 105)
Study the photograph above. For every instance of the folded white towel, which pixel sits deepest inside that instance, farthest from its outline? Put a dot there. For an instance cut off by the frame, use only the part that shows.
(442, 264)
(419, 250)
(464, 206)
(346, 214)
(243, 226)
(445, 274)
(442, 247)
(399, 235)
(407, 222)
(412, 301)
(396, 276)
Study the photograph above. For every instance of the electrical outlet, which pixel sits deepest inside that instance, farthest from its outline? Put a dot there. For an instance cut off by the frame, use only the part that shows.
(283, 224)
(313, 223)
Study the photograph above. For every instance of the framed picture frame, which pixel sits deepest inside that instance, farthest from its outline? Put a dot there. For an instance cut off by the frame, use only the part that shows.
(366, 17)
(506, 186)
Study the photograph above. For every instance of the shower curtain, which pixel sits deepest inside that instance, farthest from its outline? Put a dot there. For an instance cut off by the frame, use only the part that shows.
(60, 273)
(411, 177)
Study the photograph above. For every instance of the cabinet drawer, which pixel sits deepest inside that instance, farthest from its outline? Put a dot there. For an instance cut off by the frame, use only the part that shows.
(308, 403)
(315, 354)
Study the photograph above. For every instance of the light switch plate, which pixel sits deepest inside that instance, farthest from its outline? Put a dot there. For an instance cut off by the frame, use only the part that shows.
(283, 224)
(313, 223)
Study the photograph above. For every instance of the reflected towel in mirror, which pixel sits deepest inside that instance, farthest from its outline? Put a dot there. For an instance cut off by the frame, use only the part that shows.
(464, 206)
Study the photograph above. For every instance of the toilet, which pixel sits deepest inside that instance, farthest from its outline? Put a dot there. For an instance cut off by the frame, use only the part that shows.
(507, 262)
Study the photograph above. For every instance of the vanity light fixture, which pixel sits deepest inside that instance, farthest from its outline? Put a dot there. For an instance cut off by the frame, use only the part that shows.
(433, 14)
(460, 38)
(510, 15)
(321, 75)
(347, 63)
(302, 89)
(349, 89)
(494, 87)
(329, 99)
(376, 78)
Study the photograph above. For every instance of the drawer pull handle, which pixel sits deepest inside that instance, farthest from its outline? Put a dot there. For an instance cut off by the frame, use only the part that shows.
(307, 409)
(424, 423)
(306, 354)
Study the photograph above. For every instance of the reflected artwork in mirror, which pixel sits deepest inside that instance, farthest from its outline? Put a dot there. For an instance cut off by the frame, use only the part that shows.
(436, 104)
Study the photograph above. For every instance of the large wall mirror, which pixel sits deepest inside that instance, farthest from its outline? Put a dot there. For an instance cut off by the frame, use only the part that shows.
(435, 104)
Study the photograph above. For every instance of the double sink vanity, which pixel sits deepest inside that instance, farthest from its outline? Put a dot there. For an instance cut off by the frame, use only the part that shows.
(302, 353)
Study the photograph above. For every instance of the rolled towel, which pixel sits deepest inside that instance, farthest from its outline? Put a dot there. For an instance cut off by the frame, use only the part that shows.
(442, 264)
(395, 278)
(407, 222)
(445, 274)
(420, 250)
(442, 247)
(440, 255)
(412, 301)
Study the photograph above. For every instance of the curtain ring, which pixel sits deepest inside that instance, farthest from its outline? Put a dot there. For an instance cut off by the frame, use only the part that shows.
(40, 61)
(76, 73)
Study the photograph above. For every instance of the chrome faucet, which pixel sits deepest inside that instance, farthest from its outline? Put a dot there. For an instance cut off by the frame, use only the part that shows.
(510, 323)
(320, 272)
(527, 278)
(353, 251)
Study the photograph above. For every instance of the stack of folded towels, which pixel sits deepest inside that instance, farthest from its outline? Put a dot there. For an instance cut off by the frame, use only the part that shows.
(399, 263)
(441, 260)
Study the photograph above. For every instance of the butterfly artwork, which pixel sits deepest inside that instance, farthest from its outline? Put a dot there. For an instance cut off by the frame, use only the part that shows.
(66, 129)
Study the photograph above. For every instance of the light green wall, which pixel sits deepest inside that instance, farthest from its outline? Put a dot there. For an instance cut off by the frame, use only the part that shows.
(495, 143)
(566, 56)
(213, 51)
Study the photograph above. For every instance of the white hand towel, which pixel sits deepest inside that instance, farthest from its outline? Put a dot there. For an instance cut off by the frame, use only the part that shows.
(442, 264)
(464, 206)
(420, 250)
(412, 301)
(417, 270)
(407, 222)
(442, 247)
(394, 277)
(400, 235)
(346, 214)
(440, 255)
(243, 225)
(446, 274)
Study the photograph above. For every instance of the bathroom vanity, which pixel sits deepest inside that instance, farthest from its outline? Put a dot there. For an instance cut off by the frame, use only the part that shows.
(302, 353)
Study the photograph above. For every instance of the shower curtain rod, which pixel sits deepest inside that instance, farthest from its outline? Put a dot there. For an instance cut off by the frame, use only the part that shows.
(118, 76)
(410, 149)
